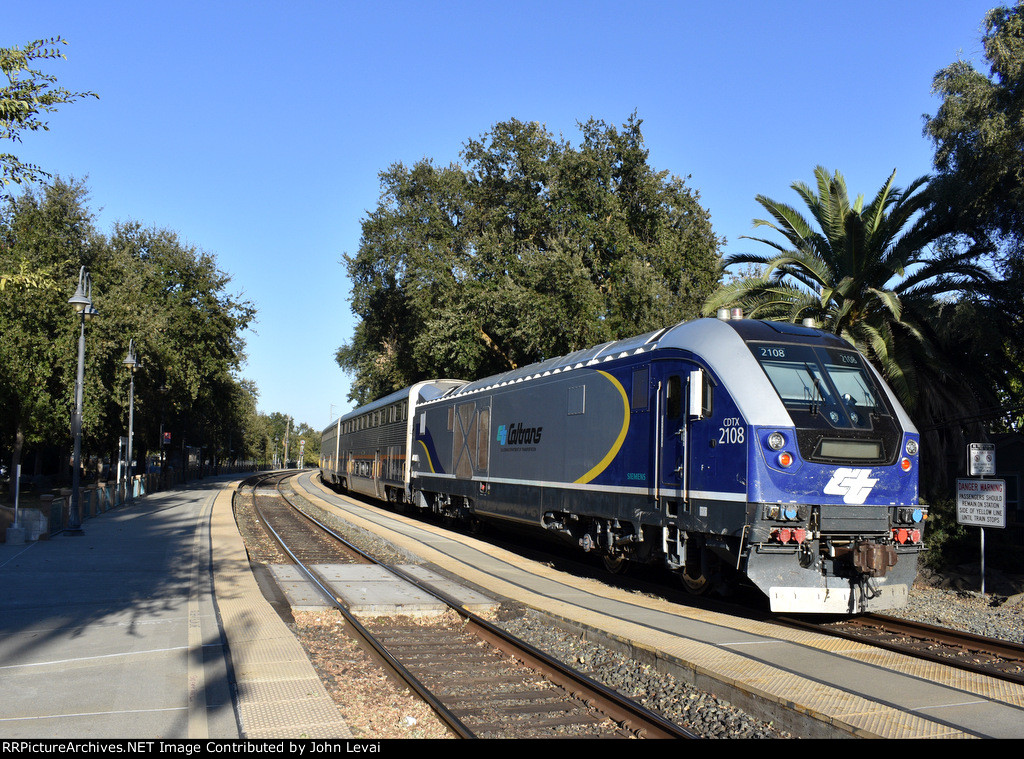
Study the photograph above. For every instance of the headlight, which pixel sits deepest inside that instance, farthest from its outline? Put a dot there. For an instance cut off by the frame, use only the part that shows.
(776, 441)
(912, 448)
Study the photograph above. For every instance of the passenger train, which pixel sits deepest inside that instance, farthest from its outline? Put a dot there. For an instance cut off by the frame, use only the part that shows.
(724, 449)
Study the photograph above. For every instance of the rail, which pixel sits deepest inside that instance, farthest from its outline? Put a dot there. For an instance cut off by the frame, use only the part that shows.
(630, 718)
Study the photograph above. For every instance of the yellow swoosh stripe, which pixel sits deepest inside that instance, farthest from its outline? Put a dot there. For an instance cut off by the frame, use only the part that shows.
(427, 453)
(603, 463)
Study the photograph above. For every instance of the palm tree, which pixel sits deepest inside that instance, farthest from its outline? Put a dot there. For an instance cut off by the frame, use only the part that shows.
(870, 274)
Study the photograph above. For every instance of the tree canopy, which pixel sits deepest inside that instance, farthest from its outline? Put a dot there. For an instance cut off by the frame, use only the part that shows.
(533, 249)
(28, 94)
(862, 272)
(978, 132)
(150, 288)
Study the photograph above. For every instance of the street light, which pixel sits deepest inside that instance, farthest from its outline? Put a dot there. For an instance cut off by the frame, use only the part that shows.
(163, 440)
(132, 364)
(82, 302)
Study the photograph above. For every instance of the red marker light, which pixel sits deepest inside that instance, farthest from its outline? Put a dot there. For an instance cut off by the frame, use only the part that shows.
(785, 459)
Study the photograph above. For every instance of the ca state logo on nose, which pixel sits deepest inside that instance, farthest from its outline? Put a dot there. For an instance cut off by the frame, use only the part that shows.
(854, 485)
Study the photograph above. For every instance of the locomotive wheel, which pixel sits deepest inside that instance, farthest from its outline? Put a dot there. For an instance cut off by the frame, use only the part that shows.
(698, 586)
(617, 565)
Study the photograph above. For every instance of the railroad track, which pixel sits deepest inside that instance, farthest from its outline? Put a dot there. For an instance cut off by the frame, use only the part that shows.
(973, 653)
(480, 681)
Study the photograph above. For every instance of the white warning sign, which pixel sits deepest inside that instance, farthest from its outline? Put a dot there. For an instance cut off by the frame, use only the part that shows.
(981, 503)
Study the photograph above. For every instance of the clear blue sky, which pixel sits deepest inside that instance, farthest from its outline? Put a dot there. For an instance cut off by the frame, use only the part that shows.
(256, 130)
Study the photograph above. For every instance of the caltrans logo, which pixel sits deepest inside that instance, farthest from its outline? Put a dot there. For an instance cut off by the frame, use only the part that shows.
(517, 434)
(854, 485)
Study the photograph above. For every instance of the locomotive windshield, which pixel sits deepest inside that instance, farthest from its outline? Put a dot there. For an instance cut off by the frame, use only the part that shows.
(830, 385)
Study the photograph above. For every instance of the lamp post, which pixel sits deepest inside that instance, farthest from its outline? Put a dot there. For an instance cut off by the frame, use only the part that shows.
(82, 302)
(163, 441)
(132, 365)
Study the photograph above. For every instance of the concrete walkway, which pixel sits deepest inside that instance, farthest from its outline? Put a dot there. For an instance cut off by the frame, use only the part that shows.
(132, 630)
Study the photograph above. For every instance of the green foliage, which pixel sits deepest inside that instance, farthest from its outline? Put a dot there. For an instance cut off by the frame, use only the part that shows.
(978, 194)
(171, 299)
(979, 133)
(535, 248)
(29, 93)
(946, 540)
(148, 287)
(38, 338)
(864, 272)
(269, 433)
(25, 277)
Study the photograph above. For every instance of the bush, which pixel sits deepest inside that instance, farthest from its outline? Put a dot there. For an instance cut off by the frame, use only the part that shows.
(947, 542)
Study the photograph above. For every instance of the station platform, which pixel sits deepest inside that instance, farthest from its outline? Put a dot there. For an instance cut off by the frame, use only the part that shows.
(150, 625)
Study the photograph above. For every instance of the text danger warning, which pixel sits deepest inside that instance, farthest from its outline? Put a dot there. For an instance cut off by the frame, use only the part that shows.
(981, 503)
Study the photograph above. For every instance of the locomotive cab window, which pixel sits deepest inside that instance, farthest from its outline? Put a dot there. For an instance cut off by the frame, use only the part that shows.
(833, 386)
(701, 391)
(707, 404)
(674, 397)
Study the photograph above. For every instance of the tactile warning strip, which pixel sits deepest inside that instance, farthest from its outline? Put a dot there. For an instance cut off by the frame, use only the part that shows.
(279, 693)
(852, 713)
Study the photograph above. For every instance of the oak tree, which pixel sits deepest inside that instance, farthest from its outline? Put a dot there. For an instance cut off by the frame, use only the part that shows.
(532, 248)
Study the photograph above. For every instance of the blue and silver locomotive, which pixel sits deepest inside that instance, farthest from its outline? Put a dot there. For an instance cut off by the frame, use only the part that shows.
(725, 449)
